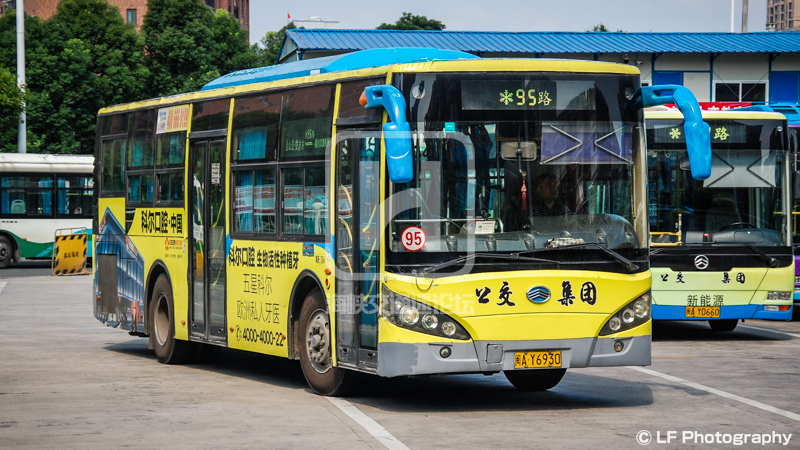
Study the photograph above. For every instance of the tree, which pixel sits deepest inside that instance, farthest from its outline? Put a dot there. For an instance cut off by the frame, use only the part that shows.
(64, 99)
(113, 46)
(177, 39)
(11, 106)
(271, 45)
(231, 51)
(187, 45)
(411, 22)
(35, 36)
(602, 28)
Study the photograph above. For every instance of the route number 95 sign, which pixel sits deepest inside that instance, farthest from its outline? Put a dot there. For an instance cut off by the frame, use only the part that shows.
(413, 238)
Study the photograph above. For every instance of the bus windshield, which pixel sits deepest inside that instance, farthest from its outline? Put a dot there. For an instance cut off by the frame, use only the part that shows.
(741, 203)
(510, 163)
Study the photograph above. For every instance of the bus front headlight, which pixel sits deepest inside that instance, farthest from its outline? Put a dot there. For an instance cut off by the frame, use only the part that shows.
(629, 316)
(413, 315)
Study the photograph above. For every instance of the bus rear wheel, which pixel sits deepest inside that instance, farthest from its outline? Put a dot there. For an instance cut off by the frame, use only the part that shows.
(535, 380)
(162, 326)
(6, 252)
(315, 349)
(723, 324)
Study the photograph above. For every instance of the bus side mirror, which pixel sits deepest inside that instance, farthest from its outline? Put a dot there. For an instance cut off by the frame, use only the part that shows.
(396, 134)
(697, 132)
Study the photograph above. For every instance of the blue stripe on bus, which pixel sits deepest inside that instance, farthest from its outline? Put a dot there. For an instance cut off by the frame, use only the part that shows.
(670, 312)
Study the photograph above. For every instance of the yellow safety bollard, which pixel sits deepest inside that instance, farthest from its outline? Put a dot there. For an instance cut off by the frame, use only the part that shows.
(69, 252)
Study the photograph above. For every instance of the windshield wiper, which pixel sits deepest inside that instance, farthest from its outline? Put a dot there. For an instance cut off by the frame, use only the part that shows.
(465, 258)
(773, 262)
(630, 265)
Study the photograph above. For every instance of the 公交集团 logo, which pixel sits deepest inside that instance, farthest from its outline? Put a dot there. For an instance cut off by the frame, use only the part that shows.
(538, 294)
(701, 262)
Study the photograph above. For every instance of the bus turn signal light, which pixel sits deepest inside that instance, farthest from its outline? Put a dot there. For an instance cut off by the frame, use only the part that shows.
(363, 99)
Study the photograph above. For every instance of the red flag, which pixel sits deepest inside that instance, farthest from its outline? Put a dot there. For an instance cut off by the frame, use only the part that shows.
(287, 15)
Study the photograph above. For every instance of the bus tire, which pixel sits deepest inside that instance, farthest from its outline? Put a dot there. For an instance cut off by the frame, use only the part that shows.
(168, 349)
(723, 324)
(315, 350)
(535, 380)
(6, 252)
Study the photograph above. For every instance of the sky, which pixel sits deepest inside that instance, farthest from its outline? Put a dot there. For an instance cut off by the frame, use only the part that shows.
(516, 15)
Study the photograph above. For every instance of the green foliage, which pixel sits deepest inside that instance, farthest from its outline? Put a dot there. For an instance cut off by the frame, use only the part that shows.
(603, 29)
(64, 100)
(114, 50)
(11, 107)
(231, 50)
(412, 22)
(271, 45)
(177, 39)
(35, 36)
(86, 57)
(187, 45)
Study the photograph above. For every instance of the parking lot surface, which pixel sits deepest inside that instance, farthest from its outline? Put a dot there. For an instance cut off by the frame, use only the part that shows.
(67, 381)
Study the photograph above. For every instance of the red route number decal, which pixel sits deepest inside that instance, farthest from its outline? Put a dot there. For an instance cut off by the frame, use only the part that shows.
(413, 238)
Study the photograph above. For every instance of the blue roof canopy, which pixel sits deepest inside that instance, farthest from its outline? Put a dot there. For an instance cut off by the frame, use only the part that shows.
(337, 63)
(480, 42)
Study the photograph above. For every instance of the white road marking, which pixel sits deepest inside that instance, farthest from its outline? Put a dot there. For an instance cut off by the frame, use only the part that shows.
(770, 330)
(2, 285)
(372, 427)
(727, 395)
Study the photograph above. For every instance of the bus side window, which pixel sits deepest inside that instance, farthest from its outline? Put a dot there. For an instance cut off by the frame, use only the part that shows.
(139, 167)
(29, 195)
(74, 195)
(306, 124)
(170, 160)
(305, 201)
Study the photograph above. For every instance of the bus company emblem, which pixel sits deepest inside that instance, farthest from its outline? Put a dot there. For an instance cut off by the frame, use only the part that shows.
(538, 294)
(701, 262)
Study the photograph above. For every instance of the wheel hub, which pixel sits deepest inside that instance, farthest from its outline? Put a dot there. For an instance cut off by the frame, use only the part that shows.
(317, 341)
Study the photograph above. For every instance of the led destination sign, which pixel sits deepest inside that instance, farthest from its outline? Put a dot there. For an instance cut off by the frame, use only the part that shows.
(508, 94)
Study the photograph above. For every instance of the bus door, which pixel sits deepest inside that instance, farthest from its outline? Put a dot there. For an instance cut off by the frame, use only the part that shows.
(207, 215)
(357, 248)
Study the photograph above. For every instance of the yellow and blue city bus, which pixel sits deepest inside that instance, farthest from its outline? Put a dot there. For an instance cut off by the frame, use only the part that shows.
(721, 248)
(379, 212)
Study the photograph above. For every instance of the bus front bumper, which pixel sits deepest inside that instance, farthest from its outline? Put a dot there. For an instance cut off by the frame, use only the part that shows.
(399, 359)
(678, 312)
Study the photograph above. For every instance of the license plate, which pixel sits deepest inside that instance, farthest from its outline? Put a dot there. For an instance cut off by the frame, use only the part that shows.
(533, 360)
(702, 311)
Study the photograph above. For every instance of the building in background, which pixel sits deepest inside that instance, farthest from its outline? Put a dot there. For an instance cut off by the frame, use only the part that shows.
(133, 11)
(780, 16)
(754, 67)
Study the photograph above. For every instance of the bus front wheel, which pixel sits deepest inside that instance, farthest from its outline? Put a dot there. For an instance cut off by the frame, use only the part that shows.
(6, 252)
(723, 324)
(315, 349)
(535, 380)
(162, 326)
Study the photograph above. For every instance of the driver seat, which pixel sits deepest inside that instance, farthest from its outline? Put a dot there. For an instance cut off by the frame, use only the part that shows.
(722, 212)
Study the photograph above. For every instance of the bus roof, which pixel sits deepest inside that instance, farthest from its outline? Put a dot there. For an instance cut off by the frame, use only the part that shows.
(365, 64)
(727, 114)
(337, 63)
(41, 163)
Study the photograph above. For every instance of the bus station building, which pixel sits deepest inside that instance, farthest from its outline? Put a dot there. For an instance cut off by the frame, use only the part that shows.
(754, 67)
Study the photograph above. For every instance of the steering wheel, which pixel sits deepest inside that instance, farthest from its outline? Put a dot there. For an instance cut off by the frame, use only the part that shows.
(741, 224)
